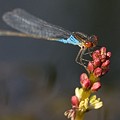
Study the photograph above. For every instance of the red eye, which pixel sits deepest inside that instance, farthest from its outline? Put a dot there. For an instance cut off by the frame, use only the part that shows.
(88, 44)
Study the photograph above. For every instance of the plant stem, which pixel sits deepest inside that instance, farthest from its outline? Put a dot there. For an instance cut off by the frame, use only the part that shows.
(79, 116)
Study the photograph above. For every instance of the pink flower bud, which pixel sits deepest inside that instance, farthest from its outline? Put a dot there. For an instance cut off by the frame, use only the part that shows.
(83, 76)
(96, 62)
(90, 66)
(102, 58)
(109, 54)
(105, 64)
(104, 71)
(98, 72)
(103, 50)
(85, 83)
(95, 54)
(96, 86)
(74, 101)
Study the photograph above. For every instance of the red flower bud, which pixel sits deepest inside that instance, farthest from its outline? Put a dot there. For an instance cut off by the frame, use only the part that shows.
(102, 58)
(96, 62)
(90, 66)
(95, 54)
(103, 50)
(85, 82)
(96, 86)
(98, 72)
(83, 76)
(108, 54)
(104, 71)
(74, 101)
(105, 64)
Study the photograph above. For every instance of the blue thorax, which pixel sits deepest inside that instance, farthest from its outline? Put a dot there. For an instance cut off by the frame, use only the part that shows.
(70, 40)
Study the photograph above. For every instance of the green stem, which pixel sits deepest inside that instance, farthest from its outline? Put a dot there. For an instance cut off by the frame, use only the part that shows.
(85, 94)
(79, 116)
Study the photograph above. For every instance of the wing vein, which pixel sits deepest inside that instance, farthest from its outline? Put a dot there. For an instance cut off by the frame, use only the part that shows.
(28, 24)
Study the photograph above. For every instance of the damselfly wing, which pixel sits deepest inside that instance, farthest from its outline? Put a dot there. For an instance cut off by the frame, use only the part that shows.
(30, 26)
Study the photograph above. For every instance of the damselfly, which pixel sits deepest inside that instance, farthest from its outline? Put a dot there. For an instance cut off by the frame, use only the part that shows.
(30, 26)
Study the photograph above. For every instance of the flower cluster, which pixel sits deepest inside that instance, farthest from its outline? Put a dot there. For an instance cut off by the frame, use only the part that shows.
(92, 83)
(100, 64)
(80, 105)
(83, 101)
(96, 68)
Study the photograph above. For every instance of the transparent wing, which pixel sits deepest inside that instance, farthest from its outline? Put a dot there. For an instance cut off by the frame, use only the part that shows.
(28, 24)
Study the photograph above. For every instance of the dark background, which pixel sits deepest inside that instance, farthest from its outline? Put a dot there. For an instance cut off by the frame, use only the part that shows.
(38, 78)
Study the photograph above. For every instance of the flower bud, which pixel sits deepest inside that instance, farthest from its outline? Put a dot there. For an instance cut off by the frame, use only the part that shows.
(103, 50)
(98, 72)
(85, 83)
(105, 64)
(95, 54)
(74, 101)
(90, 66)
(96, 86)
(96, 62)
(83, 76)
(109, 54)
(104, 71)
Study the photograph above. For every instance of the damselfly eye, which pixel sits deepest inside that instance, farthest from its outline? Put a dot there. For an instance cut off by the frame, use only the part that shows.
(94, 40)
(94, 37)
(88, 44)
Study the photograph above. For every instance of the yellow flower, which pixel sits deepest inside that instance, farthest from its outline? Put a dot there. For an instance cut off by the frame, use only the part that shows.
(78, 93)
(83, 106)
(95, 102)
(90, 103)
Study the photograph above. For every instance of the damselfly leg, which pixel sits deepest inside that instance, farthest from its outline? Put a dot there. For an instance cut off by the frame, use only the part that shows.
(80, 59)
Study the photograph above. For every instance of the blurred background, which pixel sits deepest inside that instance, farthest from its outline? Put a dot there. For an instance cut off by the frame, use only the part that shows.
(38, 78)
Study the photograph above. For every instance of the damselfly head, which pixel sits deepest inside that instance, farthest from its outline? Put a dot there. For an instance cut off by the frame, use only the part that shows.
(87, 42)
(92, 41)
